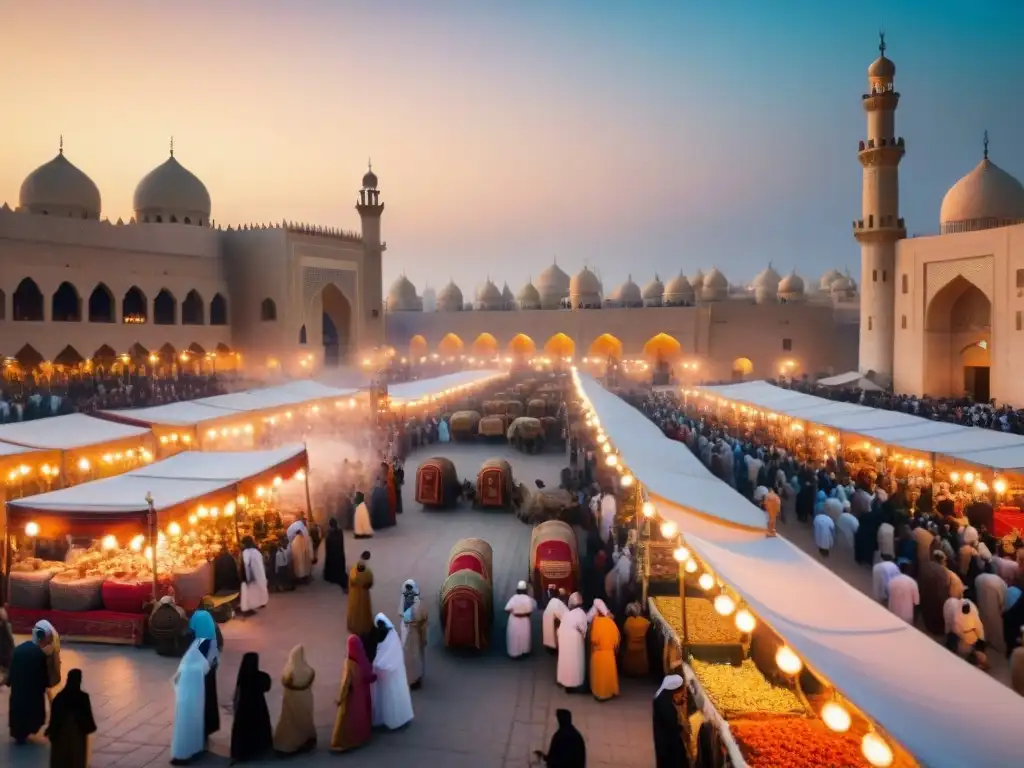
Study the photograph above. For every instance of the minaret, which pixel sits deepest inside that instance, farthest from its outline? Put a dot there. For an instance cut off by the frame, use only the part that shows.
(370, 209)
(880, 225)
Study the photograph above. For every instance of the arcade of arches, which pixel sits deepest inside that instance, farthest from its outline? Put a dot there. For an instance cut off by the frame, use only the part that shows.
(741, 368)
(958, 338)
(166, 360)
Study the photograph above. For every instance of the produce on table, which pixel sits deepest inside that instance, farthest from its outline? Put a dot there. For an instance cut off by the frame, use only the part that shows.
(736, 690)
(703, 624)
(663, 565)
(795, 742)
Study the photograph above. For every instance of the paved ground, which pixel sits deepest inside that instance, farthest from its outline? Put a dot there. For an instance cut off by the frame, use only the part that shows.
(487, 712)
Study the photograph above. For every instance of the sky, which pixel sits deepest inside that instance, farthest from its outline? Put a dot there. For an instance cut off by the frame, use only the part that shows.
(633, 138)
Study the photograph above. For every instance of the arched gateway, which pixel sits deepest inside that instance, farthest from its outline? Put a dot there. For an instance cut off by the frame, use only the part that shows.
(958, 340)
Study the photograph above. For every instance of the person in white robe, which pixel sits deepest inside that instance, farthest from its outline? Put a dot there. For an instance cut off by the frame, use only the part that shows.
(848, 525)
(554, 612)
(572, 650)
(519, 632)
(188, 737)
(887, 540)
(295, 528)
(964, 624)
(361, 526)
(300, 552)
(254, 577)
(824, 533)
(882, 573)
(833, 508)
(413, 632)
(392, 701)
(904, 596)
(608, 509)
(990, 591)
(617, 581)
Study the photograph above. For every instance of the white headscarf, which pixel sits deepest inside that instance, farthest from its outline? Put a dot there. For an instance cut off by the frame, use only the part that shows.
(389, 652)
(670, 683)
(51, 633)
(575, 600)
(411, 589)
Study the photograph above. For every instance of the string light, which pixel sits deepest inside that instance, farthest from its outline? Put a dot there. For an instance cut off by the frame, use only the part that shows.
(668, 529)
(724, 605)
(835, 717)
(174, 529)
(83, 464)
(691, 566)
(136, 543)
(626, 480)
(745, 621)
(875, 750)
(109, 542)
(788, 661)
(612, 460)
(969, 478)
(706, 581)
(31, 529)
(648, 509)
(681, 554)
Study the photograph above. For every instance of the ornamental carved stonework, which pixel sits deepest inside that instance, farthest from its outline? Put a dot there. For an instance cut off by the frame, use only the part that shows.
(978, 271)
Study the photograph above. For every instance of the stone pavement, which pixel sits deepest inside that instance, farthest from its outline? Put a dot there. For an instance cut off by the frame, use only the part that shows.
(473, 712)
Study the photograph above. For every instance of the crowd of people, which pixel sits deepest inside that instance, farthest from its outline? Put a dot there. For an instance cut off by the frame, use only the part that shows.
(934, 560)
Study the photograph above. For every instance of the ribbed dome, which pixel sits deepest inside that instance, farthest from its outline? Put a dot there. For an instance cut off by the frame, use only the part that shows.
(843, 284)
(654, 289)
(882, 67)
(553, 281)
(792, 287)
(488, 297)
(584, 284)
(716, 280)
(697, 280)
(825, 284)
(768, 279)
(678, 291)
(628, 294)
(449, 298)
(985, 198)
(172, 192)
(529, 297)
(506, 295)
(402, 296)
(58, 188)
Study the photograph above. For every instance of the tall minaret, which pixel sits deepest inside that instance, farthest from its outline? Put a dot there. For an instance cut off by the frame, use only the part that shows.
(371, 280)
(880, 225)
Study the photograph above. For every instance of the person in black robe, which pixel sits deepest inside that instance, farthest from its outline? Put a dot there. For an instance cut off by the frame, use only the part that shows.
(346, 513)
(71, 722)
(372, 639)
(281, 564)
(211, 712)
(29, 679)
(315, 537)
(669, 751)
(226, 575)
(567, 748)
(865, 540)
(335, 569)
(380, 513)
(251, 733)
(399, 482)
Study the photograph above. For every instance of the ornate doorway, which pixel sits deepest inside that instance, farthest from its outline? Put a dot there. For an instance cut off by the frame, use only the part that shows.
(337, 325)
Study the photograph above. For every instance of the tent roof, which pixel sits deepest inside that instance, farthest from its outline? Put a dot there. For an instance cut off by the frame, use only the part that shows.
(973, 445)
(292, 393)
(65, 433)
(899, 677)
(187, 413)
(179, 479)
(852, 379)
(416, 390)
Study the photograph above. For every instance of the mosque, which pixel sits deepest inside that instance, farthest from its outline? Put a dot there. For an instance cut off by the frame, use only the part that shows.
(169, 288)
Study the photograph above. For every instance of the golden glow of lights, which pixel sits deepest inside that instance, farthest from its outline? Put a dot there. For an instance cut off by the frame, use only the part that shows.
(173, 529)
(136, 543)
(109, 542)
(626, 480)
(607, 447)
(981, 486)
(278, 481)
(745, 621)
(300, 475)
(240, 500)
(706, 581)
(875, 750)
(214, 512)
(724, 605)
(969, 477)
(648, 509)
(163, 439)
(602, 439)
(248, 429)
(788, 662)
(612, 460)
(681, 554)
(186, 439)
(32, 529)
(192, 519)
(148, 554)
(211, 433)
(229, 509)
(1000, 485)
(954, 476)
(691, 566)
(203, 512)
(83, 464)
(835, 717)
(669, 529)
(260, 491)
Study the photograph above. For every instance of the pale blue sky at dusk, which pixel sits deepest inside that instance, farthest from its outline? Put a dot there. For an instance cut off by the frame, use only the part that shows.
(634, 137)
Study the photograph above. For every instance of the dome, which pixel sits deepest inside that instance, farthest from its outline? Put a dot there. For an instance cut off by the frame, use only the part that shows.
(715, 286)
(506, 297)
(402, 296)
(678, 291)
(585, 290)
(58, 188)
(449, 298)
(172, 193)
(882, 67)
(529, 296)
(828, 278)
(792, 287)
(628, 294)
(843, 284)
(654, 292)
(369, 178)
(553, 281)
(985, 198)
(768, 278)
(697, 280)
(488, 296)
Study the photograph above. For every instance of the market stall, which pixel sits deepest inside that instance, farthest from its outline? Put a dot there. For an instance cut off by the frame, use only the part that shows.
(877, 678)
(92, 557)
(424, 391)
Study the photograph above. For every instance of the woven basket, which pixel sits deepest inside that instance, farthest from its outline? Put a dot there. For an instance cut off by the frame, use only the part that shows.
(77, 594)
(477, 546)
(30, 589)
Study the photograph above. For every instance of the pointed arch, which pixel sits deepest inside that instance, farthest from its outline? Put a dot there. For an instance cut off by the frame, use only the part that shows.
(606, 345)
(741, 368)
(101, 304)
(451, 344)
(661, 346)
(485, 345)
(521, 344)
(66, 304)
(418, 346)
(560, 345)
(165, 308)
(195, 348)
(68, 357)
(268, 311)
(139, 353)
(168, 353)
(134, 306)
(105, 354)
(957, 342)
(193, 309)
(336, 324)
(218, 310)
(28, 358)
(28, 302)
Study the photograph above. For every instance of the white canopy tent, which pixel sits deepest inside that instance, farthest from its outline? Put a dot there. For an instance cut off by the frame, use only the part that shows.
(68, 433)
(851, 379)
(935, 705)
(982, 447)
(411, 391)
(187, 413)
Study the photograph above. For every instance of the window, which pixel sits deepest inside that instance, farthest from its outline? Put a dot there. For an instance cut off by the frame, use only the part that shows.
(1020, 278)
(1020, 318)
(874, 275)
(903, 322)
(159, 219)
(787, 345)
(906, 281)
(885, 275)
(268, 310)
(188, 220)
(174, 219)
(870, 324)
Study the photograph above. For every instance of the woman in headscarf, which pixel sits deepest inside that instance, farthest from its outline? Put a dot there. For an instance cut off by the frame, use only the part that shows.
(188, 739)
(205, 631)
(71, 722)
(254, 577)
(413, 633)
(353, 724)
(392, 703)
(604, 645)
(28, 678)
(669, 750)
(567, 748)
(251, 735)
(295, 730)
(362, 526)
(359, 609)
(51, 648)
(335, 570)
(635, 628)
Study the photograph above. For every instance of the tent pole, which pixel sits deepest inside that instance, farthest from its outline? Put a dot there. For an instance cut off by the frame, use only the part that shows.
(305, 480)
(151, 519)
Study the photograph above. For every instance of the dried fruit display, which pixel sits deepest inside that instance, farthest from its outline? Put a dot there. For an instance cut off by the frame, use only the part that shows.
(795, 743)
(703, 624)
(743, 689)
(663, 565)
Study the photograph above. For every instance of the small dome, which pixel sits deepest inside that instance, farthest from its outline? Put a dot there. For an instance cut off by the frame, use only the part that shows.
(697, 280)
(654, 289)
(882, 67)
(828, 278)
(985, 198)
(58, 188)
(843, 284)
(172, 192)
(628, 294)
(488, 297)
(792, 287)
(506, 296)
(449, 298)
(584, 283)
(768, 278)
(553, 280)
(529, 297)
(715, 286)
(369, 178)
(678, 291)
(402, 296)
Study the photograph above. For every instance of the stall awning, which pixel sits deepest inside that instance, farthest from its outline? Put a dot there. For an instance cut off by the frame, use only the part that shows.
(417, 390)
(183, 414)
(172, 482)
(851, 379)
(974, 445)
(294, 393)
(938, 707)
(68, 433)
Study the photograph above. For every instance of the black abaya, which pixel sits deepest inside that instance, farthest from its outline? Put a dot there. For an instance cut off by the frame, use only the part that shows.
(71, 722)
(251, 733)
(226, 576)
(567, 748)
(29, 679)
(335, 570)
(669, 751)
(211, 712)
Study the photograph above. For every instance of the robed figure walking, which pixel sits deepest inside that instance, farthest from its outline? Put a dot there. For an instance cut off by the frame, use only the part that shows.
(413, 625)
(295, 730)
(335, 570)
(359, 610)
(188, 739)
(71, 723)
(29, 679)
(251, 734)
(353, 723)
(205, 631)
(392, 702)
(254, 582)
(669, 750)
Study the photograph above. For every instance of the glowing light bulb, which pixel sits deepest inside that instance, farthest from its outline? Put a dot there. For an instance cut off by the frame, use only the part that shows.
(706, 581)
(724, 605)
(607, 448)
(626, 481)
(83, 464)
(211, 433)
(32, 529)
(691, 566)
(214, 511)
(229, 509)
(954, 477)
(300, 475)
(260, 491)
(648, 509)
(136, 543)
(192, 519)
(835, 717)
(163, 439)
(875, 750)
(788, 661)
(248, 429)
(278, 481)
(109, 542)
(668, 529)
(681, 554)
(981, 487)
(601, 438)
(1000, 485)
(174, 437)
(969, 477)
(745, 621)
(203, 512)
(186, 439)
(174, 529)
(240, 500)
(612, 460)
(148, 554)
